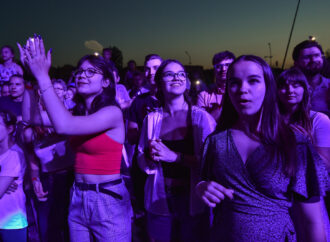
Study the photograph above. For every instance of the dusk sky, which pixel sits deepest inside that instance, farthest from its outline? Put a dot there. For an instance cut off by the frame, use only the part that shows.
(168, 28)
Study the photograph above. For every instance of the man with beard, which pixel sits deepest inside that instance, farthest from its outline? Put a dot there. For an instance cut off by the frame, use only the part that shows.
(211, 100)
(308, 57)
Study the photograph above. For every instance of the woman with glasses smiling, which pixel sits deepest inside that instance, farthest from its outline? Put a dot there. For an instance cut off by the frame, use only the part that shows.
(100, 205)
(168, 151)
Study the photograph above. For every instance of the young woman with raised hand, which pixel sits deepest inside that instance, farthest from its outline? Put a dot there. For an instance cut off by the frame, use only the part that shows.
(13, 220)
(100, 205)
(294, 105)
(256, 168)
(170, 143)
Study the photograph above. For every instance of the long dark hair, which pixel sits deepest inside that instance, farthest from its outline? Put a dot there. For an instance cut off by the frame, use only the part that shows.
(158, 80)
(272, 131)
(301, 115)
(108, 95)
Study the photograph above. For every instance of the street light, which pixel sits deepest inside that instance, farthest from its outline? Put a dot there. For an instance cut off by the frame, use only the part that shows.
(189, 56)
(292, 27)
(270, 54)
(312, 38)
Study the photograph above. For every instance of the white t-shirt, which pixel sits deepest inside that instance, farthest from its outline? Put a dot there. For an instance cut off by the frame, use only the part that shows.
(321, 129)
(12, 206)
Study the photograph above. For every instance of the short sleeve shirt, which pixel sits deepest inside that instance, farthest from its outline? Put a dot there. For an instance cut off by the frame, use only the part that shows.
(319, 96)
(12, 206)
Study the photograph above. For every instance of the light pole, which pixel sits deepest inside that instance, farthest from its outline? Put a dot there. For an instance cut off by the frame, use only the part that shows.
(312, 38)
(287, 47)
(189, 57)
(270, 54)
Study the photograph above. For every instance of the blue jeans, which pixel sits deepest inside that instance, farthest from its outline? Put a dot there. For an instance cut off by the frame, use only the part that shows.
(95, 216)
(53, 213)
(17, 235)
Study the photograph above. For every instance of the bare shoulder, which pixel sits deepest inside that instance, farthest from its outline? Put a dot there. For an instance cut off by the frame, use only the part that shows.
(110, 113)
(109, 117)
(111, 109)
(117, 131)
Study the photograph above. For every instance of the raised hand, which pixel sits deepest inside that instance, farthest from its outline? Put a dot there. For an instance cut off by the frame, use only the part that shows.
(213, 193)
(33, 56)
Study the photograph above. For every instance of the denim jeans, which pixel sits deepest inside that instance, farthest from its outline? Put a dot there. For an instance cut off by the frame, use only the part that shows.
(95, 216)
(10, 235)
(53, 213)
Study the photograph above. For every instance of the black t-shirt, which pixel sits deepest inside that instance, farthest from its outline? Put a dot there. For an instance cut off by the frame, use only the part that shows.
(6, 103)
(141, 106)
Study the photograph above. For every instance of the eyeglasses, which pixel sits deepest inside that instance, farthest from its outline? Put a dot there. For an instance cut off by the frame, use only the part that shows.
(169, 76)
(90, 72)
(220, 66)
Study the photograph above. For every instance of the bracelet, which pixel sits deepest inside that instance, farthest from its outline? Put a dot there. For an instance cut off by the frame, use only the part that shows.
(43, 91)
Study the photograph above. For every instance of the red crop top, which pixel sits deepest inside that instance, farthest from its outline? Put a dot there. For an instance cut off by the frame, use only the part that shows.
(96, 154)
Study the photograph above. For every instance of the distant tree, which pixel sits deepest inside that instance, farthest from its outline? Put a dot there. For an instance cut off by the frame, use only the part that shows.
(327, 53)
(117, 57)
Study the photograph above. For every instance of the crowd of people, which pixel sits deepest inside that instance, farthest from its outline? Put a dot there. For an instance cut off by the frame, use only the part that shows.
(153, 157)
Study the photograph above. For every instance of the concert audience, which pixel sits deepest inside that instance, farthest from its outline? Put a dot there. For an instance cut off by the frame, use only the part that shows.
(146, 102)
(137, 85)
(100, 205)
(140, 107)
(131, 68)
(51, 165)
(122, 97)
(211, 101)
(263, 172)
(69, 95)
(8, 66)
(107, 54)
(294, 104)
(308, 56)
(256, 167)
(13, 102)
(5, 90)
(13, 220)
(171, 139)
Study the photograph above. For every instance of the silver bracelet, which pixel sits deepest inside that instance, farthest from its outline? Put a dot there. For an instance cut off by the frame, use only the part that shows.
(43, 91)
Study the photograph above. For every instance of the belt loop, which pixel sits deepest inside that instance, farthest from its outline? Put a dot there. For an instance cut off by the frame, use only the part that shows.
(97, 187)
